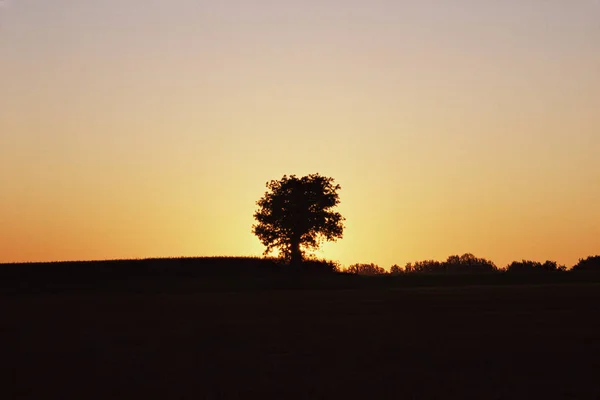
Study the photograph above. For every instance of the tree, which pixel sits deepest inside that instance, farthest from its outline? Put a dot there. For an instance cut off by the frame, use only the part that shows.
(465, 264)
(527, 266)
(425, 266)
(296, 214)
(396, 270)
(468, 263)
(366, 269)
(591, 263)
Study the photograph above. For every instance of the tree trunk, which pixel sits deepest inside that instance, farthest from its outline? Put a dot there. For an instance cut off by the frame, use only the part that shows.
(295, 253)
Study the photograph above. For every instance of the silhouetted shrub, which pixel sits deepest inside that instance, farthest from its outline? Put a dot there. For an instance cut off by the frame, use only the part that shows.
(365, 269)
(396, 270)
(527, 266)
(591, 264)
(465, 264)
(468, 263)
(426, 266)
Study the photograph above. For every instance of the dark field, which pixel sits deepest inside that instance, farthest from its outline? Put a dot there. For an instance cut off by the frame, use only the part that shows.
(483, 342)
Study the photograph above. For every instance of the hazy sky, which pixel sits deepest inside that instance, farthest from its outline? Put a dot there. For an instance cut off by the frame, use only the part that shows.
(146, 128)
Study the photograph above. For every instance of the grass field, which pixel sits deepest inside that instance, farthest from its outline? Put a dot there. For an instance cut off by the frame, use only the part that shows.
(480, 342)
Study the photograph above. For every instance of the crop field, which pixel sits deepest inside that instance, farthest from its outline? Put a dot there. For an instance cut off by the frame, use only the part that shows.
(480, 342)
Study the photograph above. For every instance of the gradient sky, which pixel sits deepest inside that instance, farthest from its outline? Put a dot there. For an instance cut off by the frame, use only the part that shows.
(146, 128)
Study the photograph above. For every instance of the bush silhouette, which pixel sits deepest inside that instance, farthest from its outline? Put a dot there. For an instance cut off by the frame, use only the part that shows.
(591, 263)
(426, 266)
(396, 270)
(527, 266)
(468, 263)
(365, 269)
(465, 264)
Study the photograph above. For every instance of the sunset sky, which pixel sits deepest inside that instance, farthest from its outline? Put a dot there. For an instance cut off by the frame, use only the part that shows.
(146, 128)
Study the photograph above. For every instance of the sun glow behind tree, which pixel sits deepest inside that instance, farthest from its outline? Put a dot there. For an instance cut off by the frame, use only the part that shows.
(148, 128)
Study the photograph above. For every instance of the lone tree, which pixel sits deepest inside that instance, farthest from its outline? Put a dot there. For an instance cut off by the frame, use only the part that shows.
(296, 215)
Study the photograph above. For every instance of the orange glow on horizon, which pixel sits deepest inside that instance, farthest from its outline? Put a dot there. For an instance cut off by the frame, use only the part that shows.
(144, 130)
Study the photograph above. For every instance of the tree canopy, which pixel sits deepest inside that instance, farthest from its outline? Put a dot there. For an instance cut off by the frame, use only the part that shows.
(296, 215)
(528, 266)
(467, 263)
(591, 263)
(365, 269)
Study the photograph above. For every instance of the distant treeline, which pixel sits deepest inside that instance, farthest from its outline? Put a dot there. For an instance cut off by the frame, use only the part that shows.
(268, 266)
(469, 264)
(188, 275)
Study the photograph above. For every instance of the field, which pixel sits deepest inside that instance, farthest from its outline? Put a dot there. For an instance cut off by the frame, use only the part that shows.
(456, 342)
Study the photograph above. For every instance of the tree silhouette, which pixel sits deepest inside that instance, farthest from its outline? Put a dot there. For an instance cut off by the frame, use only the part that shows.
(591, 263)
(395, 270)
(296, 215)
(468, 263)
(425, 266)
(527, 266)
(465, 264)
(366, 269)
